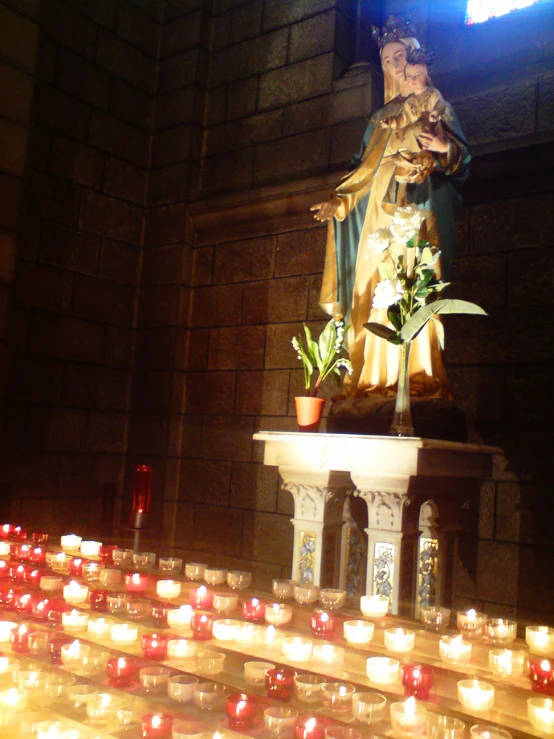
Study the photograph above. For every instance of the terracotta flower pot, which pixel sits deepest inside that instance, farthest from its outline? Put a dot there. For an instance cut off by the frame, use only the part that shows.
(309, 412)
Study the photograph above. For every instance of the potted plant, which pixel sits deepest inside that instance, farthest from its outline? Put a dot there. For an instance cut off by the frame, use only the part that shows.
(322, 358)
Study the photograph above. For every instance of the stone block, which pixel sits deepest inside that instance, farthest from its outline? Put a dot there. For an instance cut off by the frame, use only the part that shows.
(171, 146)
(478, 391)
(52, 198)
(151, 391)
(216, 105)
(216, 306)
(178, 518)
(132, 105)
(119, 350)
(205, 481)
(124, 180)
(497, 572)
(277, 13)
(107, 432)
(113, 136)
(147, 434)
(292, 157)
(249, 58)
(32, 381)
(276, 301)
(528, 396)
(29, 8)
(197, 350)
(160, 306)
(210, 393)
(47, 60)
(10, 201)
(236, 348)
(175, 108)
(180, 70)
(220, 31)
(480, 279)
(155, 348)
(267, 537)
(102, 12)
(163, 265)
(110, 217)
(244, 260)
(126, 61)
(78, 477)
(168, 184)
(254, 487)
(279, 353)
(76, 162)
(296, 82)
(314, 291)
(217, 530)
(530, 277)
(262, 393)
(119, 262)
(312, 37)
(345, 141)
(40, 145)
(58, 429)
(13, 152)
(545, 120)
(227, 437)
(508, 512)
(45, 288)
(67, 338)
(155, 9)
(202, 266)
(535, 596)
(7, 257)
(228, 172)
(165, 225)
(19, 40)
(300, 252)
(246, 21)
(99, 388)
(242, 98)
(61, 112)
(181, 34)
(17, 93)
(82, 79)
(61, 23)
(138, 29)
(307, 115)
(247, 131)
(104, 301)
(69, 248)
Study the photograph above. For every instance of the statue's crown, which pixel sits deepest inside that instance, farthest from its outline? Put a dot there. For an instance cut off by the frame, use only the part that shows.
(420, 56)
(394, 29)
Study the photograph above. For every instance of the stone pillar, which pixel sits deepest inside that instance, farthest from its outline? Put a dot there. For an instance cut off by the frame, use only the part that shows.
(352, 556)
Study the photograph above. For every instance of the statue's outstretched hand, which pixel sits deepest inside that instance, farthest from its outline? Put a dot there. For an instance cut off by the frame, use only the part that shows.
(433, 142)
(327, 210)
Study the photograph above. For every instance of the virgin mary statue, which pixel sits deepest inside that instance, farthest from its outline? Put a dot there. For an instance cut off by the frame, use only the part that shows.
(363, 202)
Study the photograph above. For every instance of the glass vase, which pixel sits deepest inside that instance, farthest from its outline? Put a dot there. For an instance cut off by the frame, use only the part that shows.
(402, 417)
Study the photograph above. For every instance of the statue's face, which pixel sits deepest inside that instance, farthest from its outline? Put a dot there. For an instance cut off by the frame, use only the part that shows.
(417, 77)
(393, 60)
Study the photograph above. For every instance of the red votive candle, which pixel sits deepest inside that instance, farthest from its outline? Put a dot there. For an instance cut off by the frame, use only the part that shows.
(201, 626)
(17, 573)
(154, 646)
(75, 566)
(23, 552)
(23, 603)
(159, 615)
(55, 648)
(40, 608)
(98, 600)
(156, 726)
(417, 681)
(4, 569)
(253, 610)
(19, 533)
(324, 626)
(105, 552)
(541, 674)
(136, 583)
(121, 670)
(40, 539)
(310, 728)
(37, 556)
(7, 595)
(201, 597)
(5, 531)
(56, 608)
(32, 575)
(280, 683)
(241, 711)
(19, 638)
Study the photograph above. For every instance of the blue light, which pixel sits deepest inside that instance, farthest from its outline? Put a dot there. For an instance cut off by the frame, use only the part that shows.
(479, 11)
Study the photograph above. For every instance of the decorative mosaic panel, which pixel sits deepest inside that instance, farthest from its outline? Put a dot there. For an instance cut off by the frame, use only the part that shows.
(306, 566)
(383, 568)
(427, 571)
(479, 11)
(354, 563)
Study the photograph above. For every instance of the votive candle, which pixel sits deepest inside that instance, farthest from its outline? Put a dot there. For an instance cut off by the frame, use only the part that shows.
(476, 695)
(75, 592)
(168, 589)
(374, 606)
(540, 639)
(399, 640)
(382, 670)
(278, 614)
(136, 582)
(297, 649)
(471, 623)
(358, 632)
(506, 663)
(541, 714)
(408, 718)
(201, 597)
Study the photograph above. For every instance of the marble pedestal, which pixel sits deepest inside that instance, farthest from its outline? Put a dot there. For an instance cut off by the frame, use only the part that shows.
(422, 497)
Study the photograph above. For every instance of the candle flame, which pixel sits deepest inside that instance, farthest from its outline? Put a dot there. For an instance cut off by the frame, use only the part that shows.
(241, 705)
(416, 673)
(342, 691)
(471, 614)
(324, 617)
(156, 721)
(136, 579)
(410, 707)
(310, 724)
(545, 665)
(255, 602)
(121, 663)
(201, 592)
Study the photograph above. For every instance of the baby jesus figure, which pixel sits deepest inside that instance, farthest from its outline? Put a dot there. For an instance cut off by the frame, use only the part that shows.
(422, 112)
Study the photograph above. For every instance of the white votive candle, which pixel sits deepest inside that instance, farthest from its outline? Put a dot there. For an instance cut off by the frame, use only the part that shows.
(297, 648)
(476, 695)
(225, 629)
(471, 623)
(168, 589)
(123, 633)
(50, 583)
(75, 592)
(179, 618)
(541, 713)
(181, 649)
(278, 614)
(5, 549)
(249, 634)
(13, 700)
(305, 593)
(90, 548)
(75, 654)
(382, 670)
(109, 577)
(6, 628)
(71, 541)
(501, 630)
(488, 731)
(374, 606)
(454, 649)
(408, 718)
(100, 626)
(254, 672)
(506, 663)
(399, 640)
(540, 639)
(358, 632)
(329, 656)
(74, 620)
(226, 602)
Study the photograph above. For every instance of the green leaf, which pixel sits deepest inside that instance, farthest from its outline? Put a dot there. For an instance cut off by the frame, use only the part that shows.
(415, 323)
(384, 332)
(393, 314)
(326, 342)
(427, 256)
(386, 271)
(422, 292)
(312, 347)
(439, 328)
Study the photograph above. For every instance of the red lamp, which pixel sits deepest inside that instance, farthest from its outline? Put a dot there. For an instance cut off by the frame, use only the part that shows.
(142, 496)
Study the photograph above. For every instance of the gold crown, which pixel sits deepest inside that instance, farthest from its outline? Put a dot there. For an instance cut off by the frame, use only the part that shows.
(394, 29)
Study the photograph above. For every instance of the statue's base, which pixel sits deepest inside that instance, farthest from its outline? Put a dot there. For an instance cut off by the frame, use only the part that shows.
(433, 418)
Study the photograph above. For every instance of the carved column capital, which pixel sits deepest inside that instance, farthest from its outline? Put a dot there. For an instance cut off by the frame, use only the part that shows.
(384, 508)
(313, 503)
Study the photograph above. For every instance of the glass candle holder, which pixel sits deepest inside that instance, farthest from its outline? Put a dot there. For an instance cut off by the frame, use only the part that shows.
(249, 633)
(13, 700)
(332, 599)
(39, 643)
(209, 662)
(488, 731)
(75, 620)
(282, 589)
(57, 685)
(215, 575)
(279, 683)
(170, 565)
(168, 589)
(179, 618)
(55, 648)
(305, 593)
(225, 629)
(253, 610)
(209, 696)
(80, 695)
(454, 649)
(75, 655)
(501, 630)
(181, 650)
(280, 720)
(19, 638)
(434, 618)
(156, 726)
(144, 561)
(90, 548)
(122, 557)
(121, 671)
(154, 679)
(339, 731)
(201, 626)
(444, 727)
(225, 602)
(188, 729)
(408, 718)
(181, 687)
(59, 562)
(75, 592)
(70, 542)
(136, 582)
(239, 579)
(50, 583)
(154, 646)
(124, 634)
(159, 615)
(358, 632)
(308, 687)
(382, 670)
(100, 627)
(540, 712)
(241, 710)
(278, 614)
(476, 695)
(399, 640)
(417, 681)
(91, 571)
(105, 553)
(6, 628)
(254, 672)
(296, 649)
(110, 577)
(117, 603)
(374, 606)
(540, 639)
(312, 727)
(103, 708)
(541, 674)
(337, 696)
(195, 570)
(323, 625)
(368, 707)
(75, 566)
(201, 597)
(471, 624)
(506, 664)
(138, 609)
(98, 599)
(328, 656)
